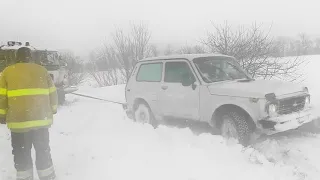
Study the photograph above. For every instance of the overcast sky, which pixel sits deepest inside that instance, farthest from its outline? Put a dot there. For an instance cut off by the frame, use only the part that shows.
(82, 25)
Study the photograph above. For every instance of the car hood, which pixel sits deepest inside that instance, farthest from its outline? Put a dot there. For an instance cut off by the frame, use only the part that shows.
(255, 89)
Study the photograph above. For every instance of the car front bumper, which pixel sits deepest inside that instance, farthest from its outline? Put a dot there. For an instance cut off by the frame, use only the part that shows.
(283, 123)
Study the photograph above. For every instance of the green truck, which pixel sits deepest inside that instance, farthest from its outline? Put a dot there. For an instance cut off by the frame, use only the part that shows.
(48, 58)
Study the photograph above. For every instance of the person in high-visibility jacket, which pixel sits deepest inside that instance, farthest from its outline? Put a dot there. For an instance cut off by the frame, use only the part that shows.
(28, 100)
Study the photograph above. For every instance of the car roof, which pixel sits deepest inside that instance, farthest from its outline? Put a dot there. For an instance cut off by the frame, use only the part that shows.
(16, 47)
(189, 57)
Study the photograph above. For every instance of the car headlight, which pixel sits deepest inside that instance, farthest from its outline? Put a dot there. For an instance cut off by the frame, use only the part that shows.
(272, 110)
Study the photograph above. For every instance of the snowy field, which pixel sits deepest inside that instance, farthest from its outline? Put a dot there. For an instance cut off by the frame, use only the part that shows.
(91, 139)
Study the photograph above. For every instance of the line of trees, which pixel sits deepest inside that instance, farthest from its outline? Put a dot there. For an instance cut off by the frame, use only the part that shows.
(301, 45)
(75, 66)
(254, 48)
(114, 61)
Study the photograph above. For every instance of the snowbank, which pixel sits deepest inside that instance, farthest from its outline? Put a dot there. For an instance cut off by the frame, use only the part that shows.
(93, 140)
(111, 147)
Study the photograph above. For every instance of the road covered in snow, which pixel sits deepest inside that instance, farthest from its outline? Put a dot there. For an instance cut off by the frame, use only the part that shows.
(92, 139)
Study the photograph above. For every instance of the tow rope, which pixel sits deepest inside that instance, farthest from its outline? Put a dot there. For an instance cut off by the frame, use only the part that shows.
(91, 97)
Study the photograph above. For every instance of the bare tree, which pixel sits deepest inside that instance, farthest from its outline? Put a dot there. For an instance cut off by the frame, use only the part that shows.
(317, 46)
(169, 50)
(154, 52)
(75, 67)
(140, 37)
(191, 49)
(199, 49)
(131, 48)
(185, 50)
(119, 57)
(253, 48)
(124, 51)
(281, 46)
(104, 67)
(305, 42)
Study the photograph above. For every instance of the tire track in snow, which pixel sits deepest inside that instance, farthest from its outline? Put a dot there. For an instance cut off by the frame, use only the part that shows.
(281, 150)
(290, 149)
(295, 149)
(79, 124)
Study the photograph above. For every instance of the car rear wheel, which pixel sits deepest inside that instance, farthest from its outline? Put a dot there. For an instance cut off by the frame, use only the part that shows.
(235, 126)
(143, 114)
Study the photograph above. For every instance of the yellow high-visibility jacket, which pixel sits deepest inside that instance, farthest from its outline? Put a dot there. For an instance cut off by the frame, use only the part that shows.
(28, 97)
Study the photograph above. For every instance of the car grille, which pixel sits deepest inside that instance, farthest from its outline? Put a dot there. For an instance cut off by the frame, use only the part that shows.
(295, 104)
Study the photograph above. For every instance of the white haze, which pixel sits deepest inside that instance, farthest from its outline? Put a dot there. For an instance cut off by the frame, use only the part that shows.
(82, 25)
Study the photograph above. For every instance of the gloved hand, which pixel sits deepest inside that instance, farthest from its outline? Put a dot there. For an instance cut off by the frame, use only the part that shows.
(2, 121)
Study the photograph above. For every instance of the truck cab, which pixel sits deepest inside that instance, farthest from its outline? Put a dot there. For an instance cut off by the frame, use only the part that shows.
(44, 57)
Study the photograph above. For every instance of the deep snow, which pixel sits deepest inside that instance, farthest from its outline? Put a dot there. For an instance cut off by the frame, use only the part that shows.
(91, 139)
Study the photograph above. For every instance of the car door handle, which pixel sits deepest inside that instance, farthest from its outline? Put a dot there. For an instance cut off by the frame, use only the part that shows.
(164, 87)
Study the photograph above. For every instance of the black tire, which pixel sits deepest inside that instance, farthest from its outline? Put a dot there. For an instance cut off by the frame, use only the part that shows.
(243, 128)
(145, 107)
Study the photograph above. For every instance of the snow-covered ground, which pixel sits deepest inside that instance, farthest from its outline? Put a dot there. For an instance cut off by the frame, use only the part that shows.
(91, 139)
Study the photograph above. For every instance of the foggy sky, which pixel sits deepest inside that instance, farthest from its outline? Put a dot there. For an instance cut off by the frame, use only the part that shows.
(83, 25)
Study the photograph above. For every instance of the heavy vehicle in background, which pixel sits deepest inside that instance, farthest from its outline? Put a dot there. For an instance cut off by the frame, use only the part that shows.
(45, 57)
(214, 89)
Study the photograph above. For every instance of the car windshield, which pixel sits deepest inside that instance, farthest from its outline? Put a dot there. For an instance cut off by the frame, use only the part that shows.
(215, 69)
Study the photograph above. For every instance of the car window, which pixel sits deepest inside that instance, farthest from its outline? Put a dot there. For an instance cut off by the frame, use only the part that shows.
(174, 72)
(215, 69)
(151, 72)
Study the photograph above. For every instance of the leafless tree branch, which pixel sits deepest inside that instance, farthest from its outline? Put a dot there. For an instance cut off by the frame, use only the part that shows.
(253, 48)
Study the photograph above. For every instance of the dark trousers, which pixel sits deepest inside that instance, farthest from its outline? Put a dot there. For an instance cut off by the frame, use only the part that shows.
(22, 145)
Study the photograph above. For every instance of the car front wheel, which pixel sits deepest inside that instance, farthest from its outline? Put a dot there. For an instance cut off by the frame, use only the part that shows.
(235, 126)
(143, 115)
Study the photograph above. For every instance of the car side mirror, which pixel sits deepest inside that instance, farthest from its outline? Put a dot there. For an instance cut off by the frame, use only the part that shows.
(187, 80)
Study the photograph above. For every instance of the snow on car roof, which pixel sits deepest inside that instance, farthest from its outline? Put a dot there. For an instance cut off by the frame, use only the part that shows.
(190, 57)
(16, 47)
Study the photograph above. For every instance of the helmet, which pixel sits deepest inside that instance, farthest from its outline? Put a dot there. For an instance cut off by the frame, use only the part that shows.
(24, 54)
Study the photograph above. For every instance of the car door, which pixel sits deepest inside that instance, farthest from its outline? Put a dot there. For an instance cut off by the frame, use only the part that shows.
(145, 84)
(177, 100)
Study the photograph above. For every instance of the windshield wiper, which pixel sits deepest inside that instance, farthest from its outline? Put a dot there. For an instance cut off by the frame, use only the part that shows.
(246, 80)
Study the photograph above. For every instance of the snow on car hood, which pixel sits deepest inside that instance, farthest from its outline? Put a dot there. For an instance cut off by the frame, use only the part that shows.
(256, 89)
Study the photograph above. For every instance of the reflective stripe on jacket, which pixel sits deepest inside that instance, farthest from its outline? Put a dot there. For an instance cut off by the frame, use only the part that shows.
(28, 97)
